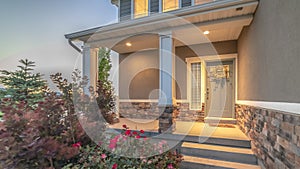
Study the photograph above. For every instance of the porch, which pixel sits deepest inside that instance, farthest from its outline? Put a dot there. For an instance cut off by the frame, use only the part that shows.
(199, 129)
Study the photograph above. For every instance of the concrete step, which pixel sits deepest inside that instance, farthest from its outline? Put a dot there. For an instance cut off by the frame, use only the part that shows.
(191, 162)
(219, 120)
(225, 153)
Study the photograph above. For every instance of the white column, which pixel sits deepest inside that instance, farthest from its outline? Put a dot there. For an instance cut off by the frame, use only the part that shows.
(90, 66)
(167, 70)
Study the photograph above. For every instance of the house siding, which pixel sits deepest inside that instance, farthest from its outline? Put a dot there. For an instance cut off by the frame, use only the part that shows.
(185, 3)
(154, 6)
(269, 54)
(125, 10)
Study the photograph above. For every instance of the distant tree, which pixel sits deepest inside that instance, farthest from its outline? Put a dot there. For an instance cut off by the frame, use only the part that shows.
(23, 85)
(105, 91)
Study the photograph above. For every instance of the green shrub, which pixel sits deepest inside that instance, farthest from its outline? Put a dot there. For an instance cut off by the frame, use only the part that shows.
(105, 91)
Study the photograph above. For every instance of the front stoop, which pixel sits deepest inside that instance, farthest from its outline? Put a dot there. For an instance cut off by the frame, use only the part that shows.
(204, 156)
(219, 120)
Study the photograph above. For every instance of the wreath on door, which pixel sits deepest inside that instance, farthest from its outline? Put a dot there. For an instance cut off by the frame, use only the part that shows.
(219, 74)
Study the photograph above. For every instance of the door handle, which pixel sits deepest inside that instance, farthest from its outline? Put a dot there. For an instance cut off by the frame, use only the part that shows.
(207, 93)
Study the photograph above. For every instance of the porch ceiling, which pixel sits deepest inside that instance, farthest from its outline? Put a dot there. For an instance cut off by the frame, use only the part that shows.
(224, 19)
(223, 30)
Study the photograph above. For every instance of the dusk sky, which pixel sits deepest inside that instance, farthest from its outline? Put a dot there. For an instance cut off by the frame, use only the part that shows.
(35, 29)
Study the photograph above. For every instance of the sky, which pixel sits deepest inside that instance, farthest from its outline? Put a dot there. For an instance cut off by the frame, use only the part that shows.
(35, 29)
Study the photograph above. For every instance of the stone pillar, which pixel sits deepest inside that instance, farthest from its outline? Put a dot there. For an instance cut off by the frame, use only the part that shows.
(167, 82)
(167, 123)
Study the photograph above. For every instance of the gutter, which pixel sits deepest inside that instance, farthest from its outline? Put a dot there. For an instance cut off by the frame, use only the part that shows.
(74, 46)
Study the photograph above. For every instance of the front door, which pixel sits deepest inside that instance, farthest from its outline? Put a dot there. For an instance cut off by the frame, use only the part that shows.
(220, 89)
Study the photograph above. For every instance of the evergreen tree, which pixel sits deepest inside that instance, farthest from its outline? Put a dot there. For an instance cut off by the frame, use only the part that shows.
(23, 84)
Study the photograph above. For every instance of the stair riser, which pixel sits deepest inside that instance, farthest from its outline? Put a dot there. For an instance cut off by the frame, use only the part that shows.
(219, 141)
(219, 155)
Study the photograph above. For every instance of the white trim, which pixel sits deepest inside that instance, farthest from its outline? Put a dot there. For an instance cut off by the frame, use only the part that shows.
(182, 101)
(192, 2)
(280, 106)
(138, 100)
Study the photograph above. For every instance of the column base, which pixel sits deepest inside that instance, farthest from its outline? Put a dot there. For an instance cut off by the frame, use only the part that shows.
(167, 123)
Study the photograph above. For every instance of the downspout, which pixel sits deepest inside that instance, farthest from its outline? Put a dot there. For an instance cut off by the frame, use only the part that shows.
(74, 46)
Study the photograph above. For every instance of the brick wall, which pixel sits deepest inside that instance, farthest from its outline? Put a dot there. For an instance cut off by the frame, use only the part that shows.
(275, 136)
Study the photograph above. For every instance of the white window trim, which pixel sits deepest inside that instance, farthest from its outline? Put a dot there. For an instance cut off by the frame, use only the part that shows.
(202, 60)
(132, 10)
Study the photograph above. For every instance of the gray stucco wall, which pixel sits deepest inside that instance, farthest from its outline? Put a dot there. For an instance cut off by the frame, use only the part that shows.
(269, 54)
(139, 71)
(137, 76)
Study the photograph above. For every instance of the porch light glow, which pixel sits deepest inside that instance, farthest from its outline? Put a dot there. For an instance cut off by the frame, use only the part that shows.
(206, 32)
(128, 44)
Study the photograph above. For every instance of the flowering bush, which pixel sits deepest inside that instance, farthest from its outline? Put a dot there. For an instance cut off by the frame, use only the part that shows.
(48, 136)
(127, 150)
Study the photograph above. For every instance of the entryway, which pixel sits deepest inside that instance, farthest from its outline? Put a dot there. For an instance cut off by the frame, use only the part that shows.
(220, 91)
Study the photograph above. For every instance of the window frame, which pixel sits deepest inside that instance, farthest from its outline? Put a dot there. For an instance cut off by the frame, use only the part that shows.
(133, 10)
(161, 6)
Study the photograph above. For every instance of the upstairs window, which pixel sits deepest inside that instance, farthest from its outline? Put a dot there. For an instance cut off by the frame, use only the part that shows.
(169, 5)
(141, 8)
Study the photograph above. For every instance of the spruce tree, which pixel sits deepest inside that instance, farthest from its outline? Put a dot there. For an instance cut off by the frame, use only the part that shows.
(23, 84)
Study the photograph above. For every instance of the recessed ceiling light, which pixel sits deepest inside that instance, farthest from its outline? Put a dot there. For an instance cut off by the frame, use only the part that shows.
(206, 32)
(128, 44)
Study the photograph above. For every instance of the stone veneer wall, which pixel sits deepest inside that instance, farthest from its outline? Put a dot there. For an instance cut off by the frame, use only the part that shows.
(275, 136)
(185, 114)
(150, 110)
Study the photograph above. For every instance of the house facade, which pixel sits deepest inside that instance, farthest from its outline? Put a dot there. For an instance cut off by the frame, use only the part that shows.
(228, 61)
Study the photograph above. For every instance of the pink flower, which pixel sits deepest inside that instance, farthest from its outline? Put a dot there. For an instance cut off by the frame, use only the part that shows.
(76, 145)
(127, 132)
(112, 145)
(142, 131)
(115, 166)
(170, 166)
(103, 156)
(124, 126)
(137, 136)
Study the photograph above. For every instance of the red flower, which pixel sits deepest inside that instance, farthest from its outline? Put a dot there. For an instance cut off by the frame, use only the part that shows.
(134, 133)
(76, 145)
(127, 132)
(142, 131)
(115, 166)
(124, 126)
(137, 136)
